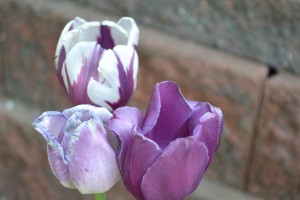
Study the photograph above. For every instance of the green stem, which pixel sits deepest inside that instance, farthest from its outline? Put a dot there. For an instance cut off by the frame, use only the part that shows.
(100, 196)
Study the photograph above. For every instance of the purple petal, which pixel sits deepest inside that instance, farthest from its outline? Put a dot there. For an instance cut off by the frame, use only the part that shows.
(166, 114)
(208, 132)
(141, 153)
(51, 124)
(199, 109)
(211, 120)
(93, 167)
(123, 124)
(177, 172)
(59, 165)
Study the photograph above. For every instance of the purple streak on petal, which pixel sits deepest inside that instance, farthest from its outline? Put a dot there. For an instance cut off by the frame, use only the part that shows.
(126, 82)
(61, 60)
(177, 172)
(78, 91)
(105, 39)
(140, 155)
(173, 114)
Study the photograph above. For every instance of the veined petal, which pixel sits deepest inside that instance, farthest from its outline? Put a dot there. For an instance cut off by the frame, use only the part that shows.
(168, 112)
(132, 30)
(93, 167)
(177, 172)
(140, 155)
(81, 65)
(117, 77)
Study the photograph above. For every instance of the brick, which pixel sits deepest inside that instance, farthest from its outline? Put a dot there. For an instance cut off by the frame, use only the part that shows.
(276, 169)
(28, 70)
(265, 31)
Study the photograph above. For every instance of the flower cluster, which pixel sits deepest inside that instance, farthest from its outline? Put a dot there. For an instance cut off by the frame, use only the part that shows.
(97, 64)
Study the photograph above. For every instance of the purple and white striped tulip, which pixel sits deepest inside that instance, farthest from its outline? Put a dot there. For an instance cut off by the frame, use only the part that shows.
(79, 153)
(96, 62)
(164, 154)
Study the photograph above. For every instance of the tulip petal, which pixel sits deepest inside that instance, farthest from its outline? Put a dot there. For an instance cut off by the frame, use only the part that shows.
(123, 124)
(93, 167)
(166, 114)
(208, 132)
(81, 65)
(177, 172)
(210, 120)
(51, 126)
(68, 27)
(59, 165)
(132, 30)
(141, 153)
(112, 35)
(117, 73)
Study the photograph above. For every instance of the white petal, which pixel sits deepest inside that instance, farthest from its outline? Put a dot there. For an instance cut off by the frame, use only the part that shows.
(108, 70)
(87, 32)
(74, 24)
(76, 58)
(119, 34)
(100, 94)
(131, 28)
(126, 54)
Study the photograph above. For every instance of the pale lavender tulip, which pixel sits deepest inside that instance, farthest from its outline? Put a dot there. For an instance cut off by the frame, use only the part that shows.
(97, 63)
(79, 153)
(164, 154)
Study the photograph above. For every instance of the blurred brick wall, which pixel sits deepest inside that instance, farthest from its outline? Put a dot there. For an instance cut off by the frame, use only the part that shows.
(29, 31)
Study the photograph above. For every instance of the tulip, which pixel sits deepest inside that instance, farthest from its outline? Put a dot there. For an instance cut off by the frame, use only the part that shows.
(79, 153)
(96, 62)
(164, 154)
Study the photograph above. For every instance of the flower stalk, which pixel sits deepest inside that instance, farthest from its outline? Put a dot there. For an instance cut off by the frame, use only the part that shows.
(100, 196)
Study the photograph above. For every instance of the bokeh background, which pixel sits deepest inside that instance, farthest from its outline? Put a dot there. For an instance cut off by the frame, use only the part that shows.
(239, 55)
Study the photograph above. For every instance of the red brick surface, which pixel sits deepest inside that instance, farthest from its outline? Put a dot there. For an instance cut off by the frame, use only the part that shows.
(276, 172)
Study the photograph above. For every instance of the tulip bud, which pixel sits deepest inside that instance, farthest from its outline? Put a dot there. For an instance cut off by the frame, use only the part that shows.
(78, 150)
(164, 154)
(96, 62)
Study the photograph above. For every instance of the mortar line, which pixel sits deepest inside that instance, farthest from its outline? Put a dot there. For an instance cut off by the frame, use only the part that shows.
(255, 131)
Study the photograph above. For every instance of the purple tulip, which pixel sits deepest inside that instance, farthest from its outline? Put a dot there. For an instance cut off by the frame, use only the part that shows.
(79, 153)
(164, 154)
(96, 62)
